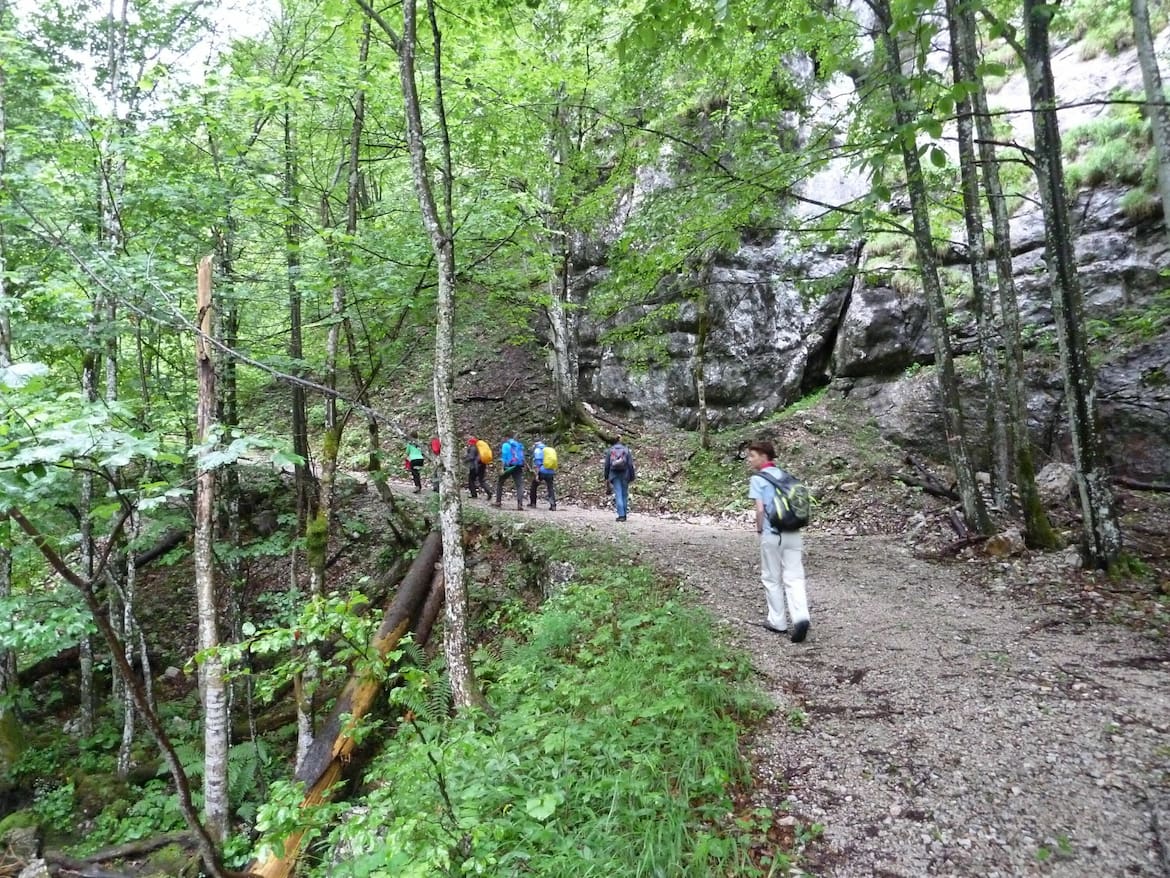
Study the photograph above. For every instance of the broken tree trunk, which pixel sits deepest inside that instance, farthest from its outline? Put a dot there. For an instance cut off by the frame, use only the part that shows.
(333, 746)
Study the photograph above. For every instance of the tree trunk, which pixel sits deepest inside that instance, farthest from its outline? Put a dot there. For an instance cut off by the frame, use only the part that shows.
(85, 504)
(464, 688)
(1101, 535)
(1156, 109)
(1038, 533)
(996, 424)
(561, 320)
(212, 689)
(353, 198)
(292, 253)
(700, 368)
(306, 501)
(974, 510)
(333, 748)
(150, 718)
(7, 657)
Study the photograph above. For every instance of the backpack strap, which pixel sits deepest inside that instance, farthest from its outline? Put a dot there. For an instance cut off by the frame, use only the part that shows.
(777, 484)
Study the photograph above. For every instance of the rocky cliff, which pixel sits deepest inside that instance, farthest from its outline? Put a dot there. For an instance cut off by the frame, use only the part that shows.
(784, 322)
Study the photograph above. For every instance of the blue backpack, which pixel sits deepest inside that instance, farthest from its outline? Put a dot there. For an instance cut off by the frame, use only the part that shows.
(512, 453)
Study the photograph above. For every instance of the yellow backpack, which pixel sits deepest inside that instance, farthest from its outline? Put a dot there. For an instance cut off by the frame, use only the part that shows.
(549, 461)
(485, 451)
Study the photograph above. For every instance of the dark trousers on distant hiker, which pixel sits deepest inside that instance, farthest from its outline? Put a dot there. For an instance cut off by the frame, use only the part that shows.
(416, 466)
(782, 573)
(476, 481)
(547, 478)
(516, 474)
(621, 494)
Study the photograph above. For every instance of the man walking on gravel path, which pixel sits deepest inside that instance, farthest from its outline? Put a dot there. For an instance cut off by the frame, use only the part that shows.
(781, 562)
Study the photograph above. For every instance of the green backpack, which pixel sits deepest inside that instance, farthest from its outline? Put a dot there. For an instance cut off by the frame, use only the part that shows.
(793, 507)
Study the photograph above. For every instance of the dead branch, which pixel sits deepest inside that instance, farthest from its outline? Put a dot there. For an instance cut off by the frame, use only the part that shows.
(954, 548)
(1137, 485)
(167, 542)
(926, 480)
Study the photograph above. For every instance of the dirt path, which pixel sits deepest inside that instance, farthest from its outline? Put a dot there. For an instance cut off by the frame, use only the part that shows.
(933, 726)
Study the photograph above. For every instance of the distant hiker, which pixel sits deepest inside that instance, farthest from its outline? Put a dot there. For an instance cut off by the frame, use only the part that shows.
(415, 459)
(477, 466)
(544, 462)
(512, 463)
(619, 473)
(781, 564)
(436, 463)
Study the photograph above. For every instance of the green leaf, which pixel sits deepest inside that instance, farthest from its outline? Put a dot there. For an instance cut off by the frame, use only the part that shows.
(542, 807)
(938, 157)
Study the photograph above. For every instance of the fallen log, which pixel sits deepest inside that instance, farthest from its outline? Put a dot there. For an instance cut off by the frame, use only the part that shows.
(334, 745)
(167, 542)
(1139, 485)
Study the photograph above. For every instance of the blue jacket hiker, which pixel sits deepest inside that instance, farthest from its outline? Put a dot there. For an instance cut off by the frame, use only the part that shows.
(542, 473)
(781, 561)
(512, 463)
(619, 473)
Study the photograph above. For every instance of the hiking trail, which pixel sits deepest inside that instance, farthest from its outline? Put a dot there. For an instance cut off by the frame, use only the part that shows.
(932, 724)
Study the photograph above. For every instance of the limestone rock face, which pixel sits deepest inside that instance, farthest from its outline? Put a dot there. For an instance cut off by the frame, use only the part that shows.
(783, 320)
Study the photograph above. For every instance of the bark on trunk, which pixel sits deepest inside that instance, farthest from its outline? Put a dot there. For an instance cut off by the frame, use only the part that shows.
(963, 69)
(1101, 535)
(1156, 109)
(212, 688)
(1038, 533)
(974, 511)
(7, 657)
(440, 230)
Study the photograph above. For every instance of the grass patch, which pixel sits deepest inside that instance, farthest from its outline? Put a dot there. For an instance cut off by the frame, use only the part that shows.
(1115, 148)
(611, 750)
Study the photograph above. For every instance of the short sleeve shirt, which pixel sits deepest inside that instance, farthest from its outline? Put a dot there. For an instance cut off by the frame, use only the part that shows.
(760, 488)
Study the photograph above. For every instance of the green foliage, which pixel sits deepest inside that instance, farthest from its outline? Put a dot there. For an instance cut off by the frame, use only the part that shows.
(329, 619)
(53, 806)
(153, 810)
(1113, 148)
(615, 716)
(1134, 325)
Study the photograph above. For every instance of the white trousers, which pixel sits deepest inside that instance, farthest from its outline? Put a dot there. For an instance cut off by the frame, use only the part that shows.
(782, 573)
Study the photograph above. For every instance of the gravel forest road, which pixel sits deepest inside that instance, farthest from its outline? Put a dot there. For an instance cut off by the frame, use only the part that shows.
(934, 725)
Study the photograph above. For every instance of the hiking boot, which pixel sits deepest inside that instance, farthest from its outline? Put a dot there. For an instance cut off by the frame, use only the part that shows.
(496, 504)
(519, 507)
(799, 631)
(552, 508)
(768, 626)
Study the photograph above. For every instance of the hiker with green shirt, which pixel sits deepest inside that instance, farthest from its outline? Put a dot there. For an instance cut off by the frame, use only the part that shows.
(415, 459)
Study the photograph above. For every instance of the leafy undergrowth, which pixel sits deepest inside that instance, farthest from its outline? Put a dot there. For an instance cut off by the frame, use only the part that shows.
(611, 748)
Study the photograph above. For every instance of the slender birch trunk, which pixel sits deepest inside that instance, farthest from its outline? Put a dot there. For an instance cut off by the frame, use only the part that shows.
(212, 688)
(11, 735)
(1156, 108)
(996, 424)
(974, 511)
(1101, 535)
(1038, 533)
(440, 230)
(7, 658)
